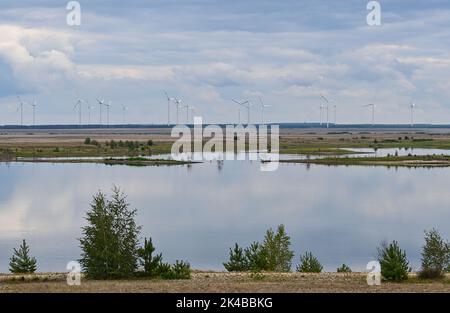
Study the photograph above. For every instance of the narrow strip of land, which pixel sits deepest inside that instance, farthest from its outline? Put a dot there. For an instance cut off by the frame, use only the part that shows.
(404, 161)
(226, 282)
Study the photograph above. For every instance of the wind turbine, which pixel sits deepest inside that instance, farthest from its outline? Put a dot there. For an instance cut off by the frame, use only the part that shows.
(192, 109)
(124, 110)
(20, 108)
(239, 115)
(90, 107)
(246, 104)
(328, 106)
(34, 105)
(321, 113)
(411, 107)
(169, 99)
(335, 113)
(178, 104)
(373, 112)
(262, 106)
(100, 104)
(79, 104)
(107, 105)
(187, 112)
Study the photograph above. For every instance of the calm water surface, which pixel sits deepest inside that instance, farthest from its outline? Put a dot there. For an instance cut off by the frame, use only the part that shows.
(197, 212)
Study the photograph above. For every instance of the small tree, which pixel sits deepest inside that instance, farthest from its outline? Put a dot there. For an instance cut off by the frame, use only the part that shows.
(150, 263)
(255, 257)
(21, 262)
(309, 264)
(344, 268)
(110, 241)
(181, 270)
(275, 249)
(393, 261)
(435, 255)
(237, 261)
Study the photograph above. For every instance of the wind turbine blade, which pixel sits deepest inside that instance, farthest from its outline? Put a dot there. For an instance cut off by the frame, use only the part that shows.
(323, 97)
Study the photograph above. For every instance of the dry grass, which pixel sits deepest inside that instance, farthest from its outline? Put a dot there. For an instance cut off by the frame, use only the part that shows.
(224, 282)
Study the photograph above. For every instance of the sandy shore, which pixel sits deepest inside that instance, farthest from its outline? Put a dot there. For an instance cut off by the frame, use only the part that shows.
(225, 282)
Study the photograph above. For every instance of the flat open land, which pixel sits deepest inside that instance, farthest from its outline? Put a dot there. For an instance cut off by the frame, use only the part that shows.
(226, 282)
(37, 143)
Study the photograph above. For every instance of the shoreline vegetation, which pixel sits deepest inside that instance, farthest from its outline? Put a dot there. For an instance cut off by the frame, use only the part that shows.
(131, 161)
(396, 161)
(120, 144)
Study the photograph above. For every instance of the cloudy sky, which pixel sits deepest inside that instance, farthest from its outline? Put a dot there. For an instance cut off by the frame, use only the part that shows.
(207, 52)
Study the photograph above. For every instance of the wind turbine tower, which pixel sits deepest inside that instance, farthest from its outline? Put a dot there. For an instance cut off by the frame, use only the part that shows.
(20, 109)
(262, 107)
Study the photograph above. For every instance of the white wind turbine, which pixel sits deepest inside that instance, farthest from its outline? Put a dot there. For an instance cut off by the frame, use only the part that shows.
(169, 100)
(107, 105)
(78, 105)
(192, 110)
(321, 113)
(373, 112)
(246, 104)
(187, 106)
(262, 106)
(33, 106)
(124, 111)
(328, 109)
(100, 104)
(178, 105)
(20, 109)
(411, 108)
(90, 107)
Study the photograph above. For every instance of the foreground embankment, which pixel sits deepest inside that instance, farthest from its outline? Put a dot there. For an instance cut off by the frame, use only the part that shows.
(224, 282)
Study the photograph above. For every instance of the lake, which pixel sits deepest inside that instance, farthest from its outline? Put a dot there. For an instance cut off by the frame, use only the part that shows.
(197, 212)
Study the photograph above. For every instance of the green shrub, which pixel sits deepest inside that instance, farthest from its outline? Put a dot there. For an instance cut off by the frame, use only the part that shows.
(255, 257)
(21, 262)
(150, 263)
(181, 270)
(272, 255)
(110, 241)
(344, 268)
(237, 261)
(309, 264)
(393, 261)
(275, 251)
(435, 255)
(150, 143)
(87, 141)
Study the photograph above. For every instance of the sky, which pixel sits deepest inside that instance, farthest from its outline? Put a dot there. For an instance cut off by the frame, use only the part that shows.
(208, 52)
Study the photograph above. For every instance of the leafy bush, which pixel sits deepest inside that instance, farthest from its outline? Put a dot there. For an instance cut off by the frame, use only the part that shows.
(21, 262)
(237, 261)
(150, 143)
(344, 268)
(309, 264)
(435, 255)
(393, 261)
(110, 241)
(87, 141)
